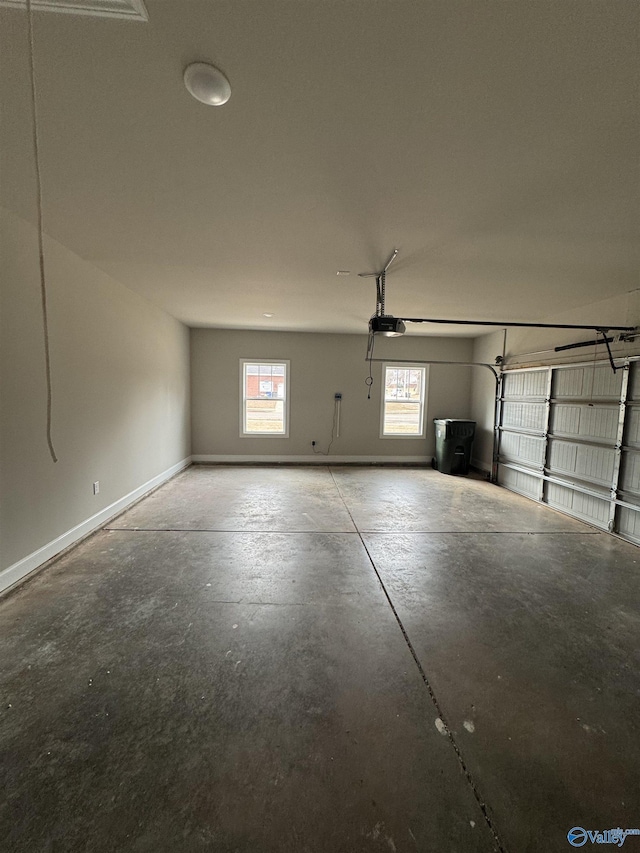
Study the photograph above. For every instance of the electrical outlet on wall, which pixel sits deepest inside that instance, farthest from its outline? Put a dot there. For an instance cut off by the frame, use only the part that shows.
(96, 487)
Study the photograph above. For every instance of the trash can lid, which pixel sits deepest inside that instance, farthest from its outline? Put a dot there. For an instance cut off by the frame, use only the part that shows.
(452, 421)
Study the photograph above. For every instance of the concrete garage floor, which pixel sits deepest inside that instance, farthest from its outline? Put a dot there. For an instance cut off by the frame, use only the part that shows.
(323, 660)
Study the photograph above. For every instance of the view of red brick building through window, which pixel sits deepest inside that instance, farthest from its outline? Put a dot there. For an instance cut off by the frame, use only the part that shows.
(264, 403)
(265, 381)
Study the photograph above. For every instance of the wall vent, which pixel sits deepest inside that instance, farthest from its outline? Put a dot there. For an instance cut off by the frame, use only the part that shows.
(132, 10)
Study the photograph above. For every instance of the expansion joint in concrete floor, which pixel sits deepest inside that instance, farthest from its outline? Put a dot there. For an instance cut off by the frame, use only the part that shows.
(446, 729)
(484, 532)
(227, 530)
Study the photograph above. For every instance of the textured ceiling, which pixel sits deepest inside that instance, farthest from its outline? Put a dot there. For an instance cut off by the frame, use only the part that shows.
(495, 144)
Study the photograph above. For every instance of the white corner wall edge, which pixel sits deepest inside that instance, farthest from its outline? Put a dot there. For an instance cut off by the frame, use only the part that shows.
(317, 458)
(12, 574)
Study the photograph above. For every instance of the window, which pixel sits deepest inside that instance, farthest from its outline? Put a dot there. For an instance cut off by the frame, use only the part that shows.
(403, 401)
(264, 396)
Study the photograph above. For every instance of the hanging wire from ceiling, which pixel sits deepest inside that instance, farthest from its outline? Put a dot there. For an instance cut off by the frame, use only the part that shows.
(43, 281)
(381, 287)
(371, 342)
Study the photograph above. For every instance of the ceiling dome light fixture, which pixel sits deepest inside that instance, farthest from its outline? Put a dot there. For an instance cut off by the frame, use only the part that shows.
(207, 84)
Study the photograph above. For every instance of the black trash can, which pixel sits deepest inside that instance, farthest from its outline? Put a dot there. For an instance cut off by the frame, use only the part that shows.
(454, 438)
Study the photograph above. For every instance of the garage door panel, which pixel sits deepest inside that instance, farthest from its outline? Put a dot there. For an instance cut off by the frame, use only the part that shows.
(629, 523)
(595, 423)
(630, 472)
(634, 382)
(627, 518)
(587, 507)
(585, 462)
(632, 437)
(587, 382)
(524, 449)
(530, 416)
(517, 481)
(531, 383)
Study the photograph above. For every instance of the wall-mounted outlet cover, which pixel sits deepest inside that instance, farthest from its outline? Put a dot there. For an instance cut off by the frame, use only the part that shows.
(96, 487)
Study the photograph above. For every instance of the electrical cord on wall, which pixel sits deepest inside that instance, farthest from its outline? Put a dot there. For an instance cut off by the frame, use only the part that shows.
(336, 409)
(43, 282)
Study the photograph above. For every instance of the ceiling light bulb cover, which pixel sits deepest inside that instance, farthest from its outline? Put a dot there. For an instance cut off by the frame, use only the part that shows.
(207, 84)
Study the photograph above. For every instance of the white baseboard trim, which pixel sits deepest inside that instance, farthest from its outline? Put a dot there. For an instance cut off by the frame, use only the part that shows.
(481, 465)
(12, 574)
(311, 458)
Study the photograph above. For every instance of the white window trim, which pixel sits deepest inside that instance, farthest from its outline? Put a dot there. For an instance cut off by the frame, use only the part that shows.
(287, 374)
(423, 426)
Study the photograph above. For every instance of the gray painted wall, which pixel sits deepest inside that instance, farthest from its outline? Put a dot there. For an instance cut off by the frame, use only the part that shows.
(120, 392)
(483, 398)
(321, 365)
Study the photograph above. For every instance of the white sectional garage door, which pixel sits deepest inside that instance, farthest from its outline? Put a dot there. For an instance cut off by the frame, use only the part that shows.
(628, 520)
(570, 438)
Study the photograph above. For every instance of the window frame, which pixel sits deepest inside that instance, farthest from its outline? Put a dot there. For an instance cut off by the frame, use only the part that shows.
(405, 365)
(280, 362)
